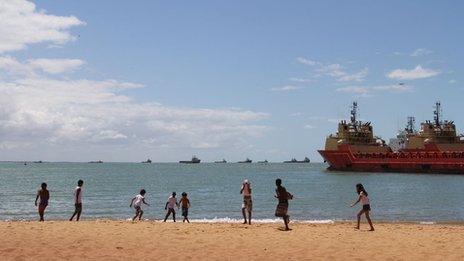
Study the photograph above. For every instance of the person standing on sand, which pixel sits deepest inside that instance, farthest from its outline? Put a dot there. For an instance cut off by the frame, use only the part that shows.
(185, 203)
(78, 200)
(137, 202)
(170, 204)
(282, 207)
(43, 194)
(247, 205)
(366, 205)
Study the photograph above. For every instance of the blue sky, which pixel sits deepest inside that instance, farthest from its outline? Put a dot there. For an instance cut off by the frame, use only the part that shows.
(261, 79)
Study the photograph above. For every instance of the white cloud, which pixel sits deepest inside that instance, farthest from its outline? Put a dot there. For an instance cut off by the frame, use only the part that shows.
(285, 88)
(354, 89)
(393, 88)
(55, 66)
(416, 73)
(23, 24)
(302, 80)
(306, 61)
(421, 52)
(452, 81)
(338, 71)
(309, 127)
(296, 114)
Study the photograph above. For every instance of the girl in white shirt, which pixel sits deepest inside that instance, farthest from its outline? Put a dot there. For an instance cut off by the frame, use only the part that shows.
(137, 202)
(366, 205)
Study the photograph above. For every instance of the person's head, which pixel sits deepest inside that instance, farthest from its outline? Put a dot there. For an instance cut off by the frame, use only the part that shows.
(44, 185)
(278, 182)
(80, 183)
(360, 188)
(184, 194)
(142, 192)
(174, 194)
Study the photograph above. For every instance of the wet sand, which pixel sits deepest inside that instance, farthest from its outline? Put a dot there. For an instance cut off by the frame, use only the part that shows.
(148, 240)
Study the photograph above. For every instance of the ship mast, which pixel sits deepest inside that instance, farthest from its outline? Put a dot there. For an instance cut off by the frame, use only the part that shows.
(354, 112)
(410, 125)
(437, 113)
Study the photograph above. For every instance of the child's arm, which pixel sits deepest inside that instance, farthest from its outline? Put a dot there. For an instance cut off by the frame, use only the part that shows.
(143, 201)
(132, 201)
(166, 207)
(177, 204)
(188, 203)
(36, 198)
(357, 201)
(241, 190)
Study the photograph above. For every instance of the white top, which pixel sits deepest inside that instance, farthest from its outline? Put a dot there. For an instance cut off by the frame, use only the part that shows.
(172, 202)
(246, 189)
(364, 199)
(79, 197)
(138, 200)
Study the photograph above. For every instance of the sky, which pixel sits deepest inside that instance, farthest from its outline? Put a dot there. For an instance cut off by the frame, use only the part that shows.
(165, 80)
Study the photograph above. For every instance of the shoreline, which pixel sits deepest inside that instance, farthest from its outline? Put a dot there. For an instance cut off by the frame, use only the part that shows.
(150, 240)
(255, 221)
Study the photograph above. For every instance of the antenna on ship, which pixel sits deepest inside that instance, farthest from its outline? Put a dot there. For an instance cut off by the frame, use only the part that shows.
(437, 113)
(410, 125)
(354, 112)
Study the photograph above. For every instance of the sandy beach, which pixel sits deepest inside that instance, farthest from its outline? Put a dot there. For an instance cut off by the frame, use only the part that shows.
(148, 240)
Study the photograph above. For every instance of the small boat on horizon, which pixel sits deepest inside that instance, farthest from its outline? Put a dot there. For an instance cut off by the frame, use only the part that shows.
(194, 160)
(221, 161)
(98, 161)
(293, 160)
(147, 161)
(246, 161)
(264, 161)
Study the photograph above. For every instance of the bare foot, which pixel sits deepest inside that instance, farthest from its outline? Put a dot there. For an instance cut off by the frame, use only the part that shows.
(372, 229)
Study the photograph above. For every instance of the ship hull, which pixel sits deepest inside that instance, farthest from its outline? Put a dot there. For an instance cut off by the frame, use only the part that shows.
(407, 162)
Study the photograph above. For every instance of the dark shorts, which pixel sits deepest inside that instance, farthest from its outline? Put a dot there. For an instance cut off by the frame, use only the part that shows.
(43, 205)
(137, 208)
(281, 209)
(367, 207)
(247, 203)
(78, 207)
(185, 211)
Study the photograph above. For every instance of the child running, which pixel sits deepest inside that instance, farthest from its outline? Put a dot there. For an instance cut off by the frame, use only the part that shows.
(282, 207)
(366, 205)
(185, 203)
(170, 204)
(43, 195)
(137, 202)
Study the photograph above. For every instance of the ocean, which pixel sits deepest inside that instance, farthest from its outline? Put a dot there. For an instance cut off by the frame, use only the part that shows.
(319, 195)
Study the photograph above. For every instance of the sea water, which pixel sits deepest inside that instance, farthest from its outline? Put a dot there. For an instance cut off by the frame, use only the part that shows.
(214, 191)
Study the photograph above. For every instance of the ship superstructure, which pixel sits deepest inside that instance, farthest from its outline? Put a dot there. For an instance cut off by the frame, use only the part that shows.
(436, 147)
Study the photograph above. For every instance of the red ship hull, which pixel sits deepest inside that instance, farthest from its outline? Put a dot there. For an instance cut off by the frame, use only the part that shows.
(428, 160)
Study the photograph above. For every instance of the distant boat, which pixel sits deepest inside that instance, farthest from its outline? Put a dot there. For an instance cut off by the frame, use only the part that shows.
(293, 160)
(264, 161)
(98, 161)
(38, 161)
(192, 161)
(246, 161)
(221, 161)
(147, 161)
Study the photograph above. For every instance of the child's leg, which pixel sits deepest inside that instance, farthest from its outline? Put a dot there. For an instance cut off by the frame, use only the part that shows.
(140, 215)
(359, 217)
(369, 220)
(167, 215)
(249, 217)
(174, 215)
(41, 212)
(244, 215)
(286, 219)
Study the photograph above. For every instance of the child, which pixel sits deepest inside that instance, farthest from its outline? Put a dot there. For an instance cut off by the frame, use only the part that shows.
(185, 203)
(170, 204)
(44, 195)
(247, 205)
(366, 205)
(77, 200)
(137, 202)
(282, 207)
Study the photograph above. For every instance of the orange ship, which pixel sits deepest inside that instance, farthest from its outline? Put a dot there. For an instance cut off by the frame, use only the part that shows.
(436, 148)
